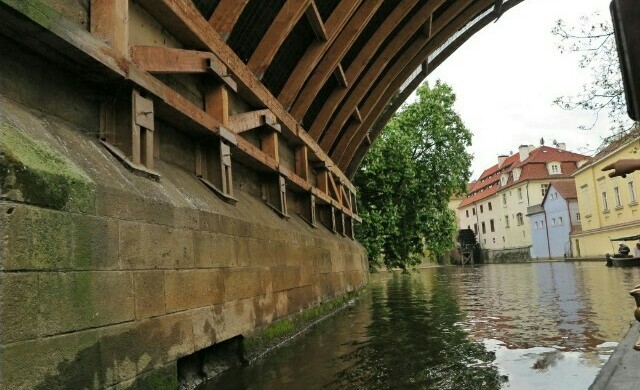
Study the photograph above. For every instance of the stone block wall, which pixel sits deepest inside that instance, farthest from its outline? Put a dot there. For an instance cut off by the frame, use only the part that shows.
(107, 277)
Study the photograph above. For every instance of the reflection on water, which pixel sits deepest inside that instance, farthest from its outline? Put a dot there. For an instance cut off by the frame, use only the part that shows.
(541, 325)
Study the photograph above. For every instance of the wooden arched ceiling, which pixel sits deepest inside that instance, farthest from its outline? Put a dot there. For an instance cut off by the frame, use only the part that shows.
(342, 67)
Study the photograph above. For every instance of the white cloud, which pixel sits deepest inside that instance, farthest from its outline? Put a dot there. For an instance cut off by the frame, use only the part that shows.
(507, 76)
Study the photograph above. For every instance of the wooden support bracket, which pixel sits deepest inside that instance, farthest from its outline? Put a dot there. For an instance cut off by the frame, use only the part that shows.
(157, 59)
(252, 120)
(356, 115)
(269, 145)
(338, 73)
(316, 22)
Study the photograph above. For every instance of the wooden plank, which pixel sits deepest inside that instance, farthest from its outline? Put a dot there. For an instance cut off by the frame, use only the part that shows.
(109, 20)
(358, 65)
(333, 56)
(316, 21)
(360, 88)
(388, 85)
(251, 120)
(226, 15)
(277, 32)
(339, 17)
(323, 181)
(183, 20)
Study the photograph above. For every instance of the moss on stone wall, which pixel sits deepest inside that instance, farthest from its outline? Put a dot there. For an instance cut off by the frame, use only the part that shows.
(265, 339)
(34, 172)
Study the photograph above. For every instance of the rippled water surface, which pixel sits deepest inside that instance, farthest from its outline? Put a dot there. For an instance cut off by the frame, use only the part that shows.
(512, 326)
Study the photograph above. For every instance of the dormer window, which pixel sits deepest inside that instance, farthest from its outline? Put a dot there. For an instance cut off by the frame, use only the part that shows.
(503, 179)
(516, 174)
(554, 168)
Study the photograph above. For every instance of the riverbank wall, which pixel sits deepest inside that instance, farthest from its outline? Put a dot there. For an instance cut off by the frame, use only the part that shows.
(109, 278)
(502, 256)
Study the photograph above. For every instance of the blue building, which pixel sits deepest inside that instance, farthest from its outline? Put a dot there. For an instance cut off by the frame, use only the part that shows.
(553, 221)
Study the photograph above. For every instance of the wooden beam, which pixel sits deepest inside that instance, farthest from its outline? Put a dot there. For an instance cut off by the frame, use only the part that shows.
(397, 75)
(339, 75)
(339, 17)
(333, 56)
(226, 15)
(380, 63)
(183, 20)
(323, 180)
(277, 32)
(252, 120)
(334, 189)
(358, 65)
(109, 21)
(316, 21)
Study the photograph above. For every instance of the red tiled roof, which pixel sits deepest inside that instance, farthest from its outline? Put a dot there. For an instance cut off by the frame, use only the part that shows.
(566, 188)
(533, 167)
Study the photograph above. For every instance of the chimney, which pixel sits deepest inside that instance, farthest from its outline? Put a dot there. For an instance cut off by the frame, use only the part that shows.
(524, 152)
(501, 159)
(562, 146)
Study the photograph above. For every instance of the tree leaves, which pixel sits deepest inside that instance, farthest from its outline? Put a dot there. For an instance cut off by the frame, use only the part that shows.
(407, 178)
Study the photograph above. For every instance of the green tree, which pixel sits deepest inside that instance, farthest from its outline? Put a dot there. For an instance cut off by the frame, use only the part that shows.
(407, 178)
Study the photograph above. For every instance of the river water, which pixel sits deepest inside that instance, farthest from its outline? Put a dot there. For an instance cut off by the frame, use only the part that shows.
(512, 326)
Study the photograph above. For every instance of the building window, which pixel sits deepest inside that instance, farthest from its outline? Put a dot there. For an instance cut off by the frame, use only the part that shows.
(519, 219)
(577, 216)
(485, 240)
(519, 193)
(559, 221)
(481, 209)
(467, 211)
(504, 199)
(516, 174)
(503, 240)
(555, 169)
(544, 188)
(632, 193)
(484, 228)
(537, 225)
(541, 224)
(616, 195)
(494, 240)
(605, 203)
(490, 208)
(553, 222)
(475, 228)
(506, 221)
(473, 211)
(492, 226)
(469, 227)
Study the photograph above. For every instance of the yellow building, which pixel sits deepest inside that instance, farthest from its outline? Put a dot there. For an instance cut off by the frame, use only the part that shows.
(608, 206)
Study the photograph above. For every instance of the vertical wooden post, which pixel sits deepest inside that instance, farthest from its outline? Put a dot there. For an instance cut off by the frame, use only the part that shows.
(283, 194)
(225, 162)
(323, 180)
(142, 127)
(312, 213)
(217, 103)
(110, 22)
(269, 145)
(302, 162)
(201, 161)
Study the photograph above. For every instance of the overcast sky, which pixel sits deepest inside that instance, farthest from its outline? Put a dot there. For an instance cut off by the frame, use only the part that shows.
(507, 75)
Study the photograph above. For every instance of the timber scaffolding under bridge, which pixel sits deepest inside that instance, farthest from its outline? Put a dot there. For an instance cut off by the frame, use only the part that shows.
(325, 75)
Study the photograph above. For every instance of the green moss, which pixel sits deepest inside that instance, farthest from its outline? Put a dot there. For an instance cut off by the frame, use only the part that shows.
(266, 338)
(165, 378)
(41, 174)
